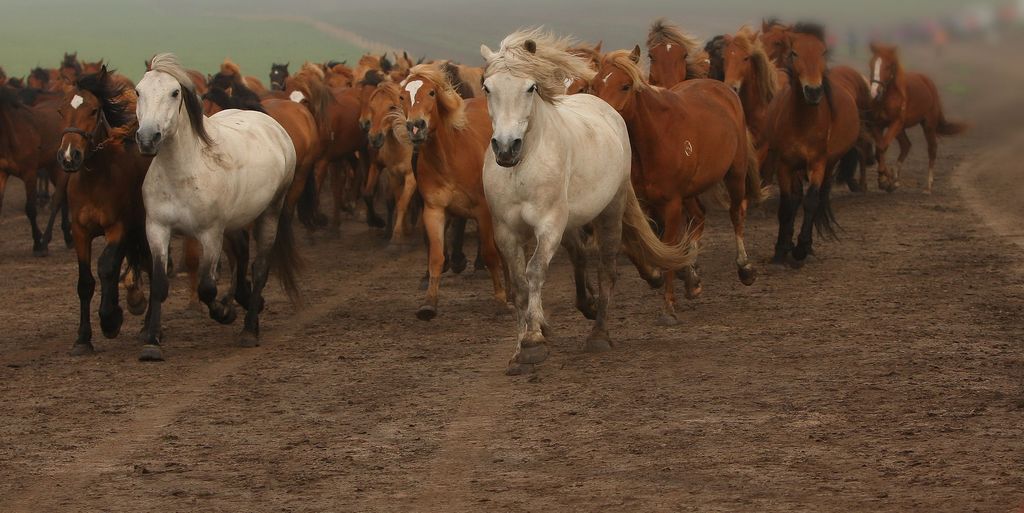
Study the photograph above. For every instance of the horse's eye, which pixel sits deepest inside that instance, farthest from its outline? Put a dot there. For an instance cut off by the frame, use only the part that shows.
(394, 107)
(532, 89)
(175, 93)
(746, 59)
(793, 55)
(432, 92)
(625, 87)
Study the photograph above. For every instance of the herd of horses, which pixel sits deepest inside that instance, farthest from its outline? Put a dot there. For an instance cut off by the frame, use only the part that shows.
(551, 143)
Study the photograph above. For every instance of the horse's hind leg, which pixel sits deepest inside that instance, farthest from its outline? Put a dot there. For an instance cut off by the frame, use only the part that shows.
(608, 231)
(671, 217)
(86, 288)
(159, 237)
(109, 266)
(3, 188)
(369, 194)
(815, 178)
(790, 197)
(533, 346)
(456, 259)
(697, 215)
(39, 246)
(212, 241)
(738, 214)
(904, 141)
(933, 148)
(573, 244)
(264, 235)
(241, 289)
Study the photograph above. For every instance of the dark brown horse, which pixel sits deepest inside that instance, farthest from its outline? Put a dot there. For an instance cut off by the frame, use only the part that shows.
(904, 99)
(812, 125)
(450, 135)
(685, 141)
(29, 136)
(104, 192)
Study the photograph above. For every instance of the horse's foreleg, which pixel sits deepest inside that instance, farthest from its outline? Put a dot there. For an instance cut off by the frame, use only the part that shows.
(815, 179)
(109, 266)
(671, 219)
(159, 237)
(455, 257)
(212, 241)
(608, 232)
(573, 244)
(736, 184)
(904, 142)
(549, 237)
(695, 212)
(86, 287)
(515, 260)
(490, 255)
(790, 196)
(368, 193)
(433, 221)
(402, 207)
(931, 135)
(889, 182)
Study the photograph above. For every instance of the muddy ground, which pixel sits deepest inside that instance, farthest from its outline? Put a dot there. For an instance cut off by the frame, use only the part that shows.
(886, 375)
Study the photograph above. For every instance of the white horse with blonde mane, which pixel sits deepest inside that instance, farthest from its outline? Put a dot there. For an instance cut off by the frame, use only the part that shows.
(557, 163)
(211, 178)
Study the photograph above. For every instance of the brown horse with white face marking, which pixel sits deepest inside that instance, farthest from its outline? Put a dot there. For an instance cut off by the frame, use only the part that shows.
(392, 151)
(812, 125)
(450, 136)
(685, 140)
(104, 193)
(675, 55)
(901, 100)
(748, 71)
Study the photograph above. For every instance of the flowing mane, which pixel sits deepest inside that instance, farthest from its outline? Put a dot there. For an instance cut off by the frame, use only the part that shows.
(118, 112)
(168, 63)
(543, 57)
(767, 79)
(664, 32)
(451, 107)
(309, 80)
(622, 59)
(9, 105)
(395, 118)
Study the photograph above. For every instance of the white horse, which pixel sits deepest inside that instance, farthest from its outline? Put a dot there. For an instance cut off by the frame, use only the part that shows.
(211, 177)
(557, 163)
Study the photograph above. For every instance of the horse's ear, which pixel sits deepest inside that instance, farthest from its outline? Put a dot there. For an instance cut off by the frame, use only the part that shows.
(597, 47)
(873, 46)
(635, 54)
(485, 52)
(405, 55)
(103, 71)
(530, 45)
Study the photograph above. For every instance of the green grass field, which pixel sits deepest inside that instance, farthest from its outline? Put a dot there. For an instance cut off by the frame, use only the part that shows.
(126, 33)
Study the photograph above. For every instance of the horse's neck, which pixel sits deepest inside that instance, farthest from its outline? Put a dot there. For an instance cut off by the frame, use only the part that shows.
(753, 100)
(543, 119)
(650, 107)
(179, 154)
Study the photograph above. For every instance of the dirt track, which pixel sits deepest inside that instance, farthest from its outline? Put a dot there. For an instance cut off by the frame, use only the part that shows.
(887, 375)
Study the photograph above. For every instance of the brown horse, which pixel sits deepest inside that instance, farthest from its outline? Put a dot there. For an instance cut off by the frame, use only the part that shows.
(675, 55)
(592, 54)
(229, 72)
(70, 68)
(104, 192)
(29, 136)
(748, 70)
(903, 99)
(685, 141)
(450, 136)
(812, 125)
(392, 151)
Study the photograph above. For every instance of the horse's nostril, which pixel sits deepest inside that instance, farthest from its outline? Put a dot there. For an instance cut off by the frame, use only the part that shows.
(517, 145)
(494, 146)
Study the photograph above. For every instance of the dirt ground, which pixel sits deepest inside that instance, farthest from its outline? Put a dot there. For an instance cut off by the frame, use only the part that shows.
(886, 375)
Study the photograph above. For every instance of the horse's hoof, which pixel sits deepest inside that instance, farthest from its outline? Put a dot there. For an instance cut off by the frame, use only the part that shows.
(458, 263)
(40, 252)
(694, 292)
(796, 263)
(227, 317)
(69, 243)
(111, 325)
(800, 252)
(531, 353)
(597, 343)
(81, 349)
(426, 313)
(655, 282)
(588, 309)
(519, 369)
(248, 339)
(151, 353)
(136, 303)
(667, 319)
(747, 274)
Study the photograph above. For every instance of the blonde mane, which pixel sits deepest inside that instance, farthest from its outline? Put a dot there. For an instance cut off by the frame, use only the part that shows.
(622, 60)
(664, 32)
(451, 107)
(550, 64)
(395, 118)
(228, 67)
(747, 40)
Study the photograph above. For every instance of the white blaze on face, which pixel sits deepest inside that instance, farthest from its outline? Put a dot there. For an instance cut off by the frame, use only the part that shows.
(412, 88)
(606, 77)
(77, 102)
(668, 47)
(567, 82)
(297, 96)
(876, 77)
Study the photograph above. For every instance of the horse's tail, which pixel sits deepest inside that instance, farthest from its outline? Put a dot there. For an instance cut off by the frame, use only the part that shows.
(947, 127)
(825, 217)
(285, 260)
(645, 246)
(755, 194)
(306, 206)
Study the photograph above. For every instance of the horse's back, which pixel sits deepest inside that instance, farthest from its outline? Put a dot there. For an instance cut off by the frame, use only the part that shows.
(715, 115)
(300, 125)
(855, 83)
(922, 99)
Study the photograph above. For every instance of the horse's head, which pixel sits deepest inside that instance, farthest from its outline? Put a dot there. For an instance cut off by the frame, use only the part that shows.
(70, 68)
(619, 79)
(429, 101)
(668, 49)
(384, 113)
(278, 72)
(38, 78)
(167, 102)
(885, 66)
(367, 88)
(775, 38)
(744, 57)
(808, 61)
(80, 114)
(715, 48)
(215, 100)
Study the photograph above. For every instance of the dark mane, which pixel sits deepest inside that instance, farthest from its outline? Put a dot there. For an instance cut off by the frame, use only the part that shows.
(244, 98)
(332, 63)
(772, 22)
(40, 74)
(451, 72)
(714, 49)
(219, 97)
(109, 93)
(372, 78)
(9, 99)
(813, 29)
(71, 61)
(194, 109)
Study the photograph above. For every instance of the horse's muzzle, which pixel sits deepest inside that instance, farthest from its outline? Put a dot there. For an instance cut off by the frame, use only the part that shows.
(507, 154)
(814, 94)
(71, 159)
(417, 130)
(364, 125)
(376, 140)
(149, 142)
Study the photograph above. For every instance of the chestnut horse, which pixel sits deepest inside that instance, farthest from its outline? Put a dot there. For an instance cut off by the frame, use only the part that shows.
(104, 193)
(812, 125)
(749, 72)
(685, 141)
(675, 55)
(450, 136)
(901, 100)
(591, 54)
(392, 152)
(29, 136)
